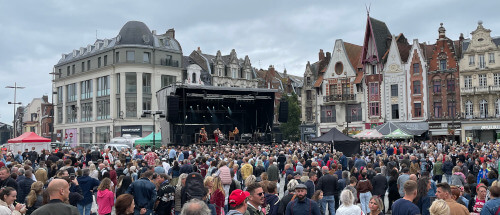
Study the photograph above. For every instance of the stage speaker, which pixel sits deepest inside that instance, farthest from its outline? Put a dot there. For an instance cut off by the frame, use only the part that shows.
(172, 108)
(283, 112)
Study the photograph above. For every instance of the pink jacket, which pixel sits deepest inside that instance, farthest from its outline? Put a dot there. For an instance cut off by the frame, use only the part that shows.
(105, 201)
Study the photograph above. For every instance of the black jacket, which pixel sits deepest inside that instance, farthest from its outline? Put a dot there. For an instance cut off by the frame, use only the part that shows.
(379, 183)
(24, 189)
(9, 182)
(328, 184)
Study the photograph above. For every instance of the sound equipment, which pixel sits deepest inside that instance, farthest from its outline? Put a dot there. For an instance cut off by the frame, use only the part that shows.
(283, 112)
(173, 109)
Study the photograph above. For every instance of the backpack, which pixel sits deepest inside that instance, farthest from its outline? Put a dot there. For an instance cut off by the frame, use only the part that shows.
(194, 187)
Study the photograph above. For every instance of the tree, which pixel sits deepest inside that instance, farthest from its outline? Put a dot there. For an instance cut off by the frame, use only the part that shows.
(290, 129)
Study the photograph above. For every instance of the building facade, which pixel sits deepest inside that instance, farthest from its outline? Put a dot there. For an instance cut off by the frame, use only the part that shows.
(480, 86)
(341, 99)
(444, 94)
(103, 88)
(37, 117)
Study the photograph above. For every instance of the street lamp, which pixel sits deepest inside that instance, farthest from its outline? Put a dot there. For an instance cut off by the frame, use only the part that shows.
(346, 109)
(52, 103)
(15, 87)
(153, 113)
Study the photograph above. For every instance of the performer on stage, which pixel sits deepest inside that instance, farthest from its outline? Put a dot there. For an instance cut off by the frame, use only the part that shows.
(203, 135)
(216, 135)
(236, 132)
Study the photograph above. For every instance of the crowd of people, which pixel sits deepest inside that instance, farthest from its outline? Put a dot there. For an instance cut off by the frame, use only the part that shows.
(388, 177)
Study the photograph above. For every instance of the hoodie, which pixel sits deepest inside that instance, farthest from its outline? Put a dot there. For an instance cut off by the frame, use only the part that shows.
(105, 201)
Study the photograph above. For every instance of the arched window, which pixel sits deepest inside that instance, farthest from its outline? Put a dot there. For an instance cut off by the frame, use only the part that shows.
(497, 108)
(193, 79)
(468, 109)
(483, 108)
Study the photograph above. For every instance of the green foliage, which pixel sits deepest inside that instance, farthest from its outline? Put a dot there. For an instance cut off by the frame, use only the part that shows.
(290, 129)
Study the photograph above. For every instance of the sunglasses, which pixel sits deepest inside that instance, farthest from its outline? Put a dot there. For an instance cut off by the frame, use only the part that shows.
(260, 194)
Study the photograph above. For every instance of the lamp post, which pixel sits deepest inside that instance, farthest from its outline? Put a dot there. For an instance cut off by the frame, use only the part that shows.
(15, 87)
(346, 109)
(52, 104)
(153, 113)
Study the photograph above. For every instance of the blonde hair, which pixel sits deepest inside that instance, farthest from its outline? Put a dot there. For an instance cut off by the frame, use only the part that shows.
(41, 175)
(439, 207)
(379, 203)
(456, 169)
(36, 189)
(181, 177)
(207, 180)
(217, 185)
(250, 180)
(346, 197)
(105, 184)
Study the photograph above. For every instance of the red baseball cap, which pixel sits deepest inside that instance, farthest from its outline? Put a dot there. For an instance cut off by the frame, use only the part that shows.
(237, 197)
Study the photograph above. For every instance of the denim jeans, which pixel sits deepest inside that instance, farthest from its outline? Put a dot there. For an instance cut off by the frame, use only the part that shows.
(331, 204)
(364, 198)
(448, 178)
(86, 207)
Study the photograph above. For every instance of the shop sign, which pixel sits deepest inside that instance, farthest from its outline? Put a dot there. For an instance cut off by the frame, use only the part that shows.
(490, 127)
(455, 125)
(132, 130)
(309, 130)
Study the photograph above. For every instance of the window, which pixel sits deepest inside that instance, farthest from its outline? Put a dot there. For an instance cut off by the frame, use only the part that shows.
(374, 69)
(451, 85)
(130, 82)
(452, 109)
(103, 86)
(395, 111)
(496, 79)
(59, 95)
(416, 68)
(117, 57)
(309, 113)
(118, 83)
(437, 109)
(220, 70)
(437, 86)
(328, 114)
(249, 76)
(146, 103)
(442, 64)
(308, 81)
(73, 69)
(86, 111)
(105, 60)
(86, 89)
(333, 89)
(68, 72)
(130, 56)
(482, 80)
(416, 87)
(146, 57)
(354, 113)
(497, 108)
(471, 60)
(83, 66)
(374, 88)
(468, 82)
(234, 73)
(167, 80)
(309, 95)
(119, 113)
(374, 108)
(71, 92)
(103, 109)
(346, 89)
(102, 134)
(88, 65)
(193, 78)
(99, 62)
(418, 109)
(483, 108)
(468, 110)
(482, 63)
(60, 73)
(131, 106)
(394, 90)
(491, 57)
(146, 83)
(70, 113)
(59, 115)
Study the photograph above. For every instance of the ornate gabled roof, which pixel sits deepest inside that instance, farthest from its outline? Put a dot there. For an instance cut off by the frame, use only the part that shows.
(353, 53)
(381, 34)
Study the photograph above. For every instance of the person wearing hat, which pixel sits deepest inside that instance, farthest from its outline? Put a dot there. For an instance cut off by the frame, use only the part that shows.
(238, 201)
(302, 204)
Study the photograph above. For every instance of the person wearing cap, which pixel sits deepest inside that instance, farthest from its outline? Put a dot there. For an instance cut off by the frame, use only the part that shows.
(328, 184)
(238, 201)
(301, 204)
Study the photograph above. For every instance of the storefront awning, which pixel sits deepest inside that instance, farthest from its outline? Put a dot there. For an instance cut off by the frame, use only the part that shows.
(411, 128)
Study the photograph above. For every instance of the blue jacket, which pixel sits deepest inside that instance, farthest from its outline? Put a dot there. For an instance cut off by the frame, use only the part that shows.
(144, 192)
(87, 184)
(310, 188)
(491, 207)
(307, 206)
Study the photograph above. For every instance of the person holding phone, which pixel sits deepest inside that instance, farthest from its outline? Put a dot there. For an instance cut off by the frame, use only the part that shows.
(7, 200)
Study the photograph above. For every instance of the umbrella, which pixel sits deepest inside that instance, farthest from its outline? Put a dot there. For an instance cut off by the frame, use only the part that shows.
(369, 134)
(398, 134)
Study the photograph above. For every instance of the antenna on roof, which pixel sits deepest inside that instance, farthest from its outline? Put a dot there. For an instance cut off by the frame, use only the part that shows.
(368, 9)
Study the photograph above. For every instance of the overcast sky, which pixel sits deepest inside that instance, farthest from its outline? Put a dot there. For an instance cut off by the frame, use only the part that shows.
(34, 34)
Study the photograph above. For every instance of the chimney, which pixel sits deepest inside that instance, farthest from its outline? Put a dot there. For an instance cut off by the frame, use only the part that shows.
(271, 68)
(328, 55)
(198, 50)
(321, 55)
(45, 98)
(170, 33)
(442, 31)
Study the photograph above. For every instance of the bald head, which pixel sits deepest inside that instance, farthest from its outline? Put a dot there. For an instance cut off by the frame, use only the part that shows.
(58, 189)
(413, 177)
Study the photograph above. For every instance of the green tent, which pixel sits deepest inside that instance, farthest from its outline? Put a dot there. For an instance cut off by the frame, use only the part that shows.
(398, 134)
(148, 140)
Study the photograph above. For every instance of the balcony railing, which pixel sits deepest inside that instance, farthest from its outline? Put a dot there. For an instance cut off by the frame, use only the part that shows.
(339, 97)
(482, 89)
(495, 88)
(467, 90)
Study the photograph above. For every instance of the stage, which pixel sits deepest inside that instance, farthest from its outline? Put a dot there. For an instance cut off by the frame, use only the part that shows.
(192, 107)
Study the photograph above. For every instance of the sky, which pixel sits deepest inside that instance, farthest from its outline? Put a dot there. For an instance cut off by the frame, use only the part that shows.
(286, 34)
